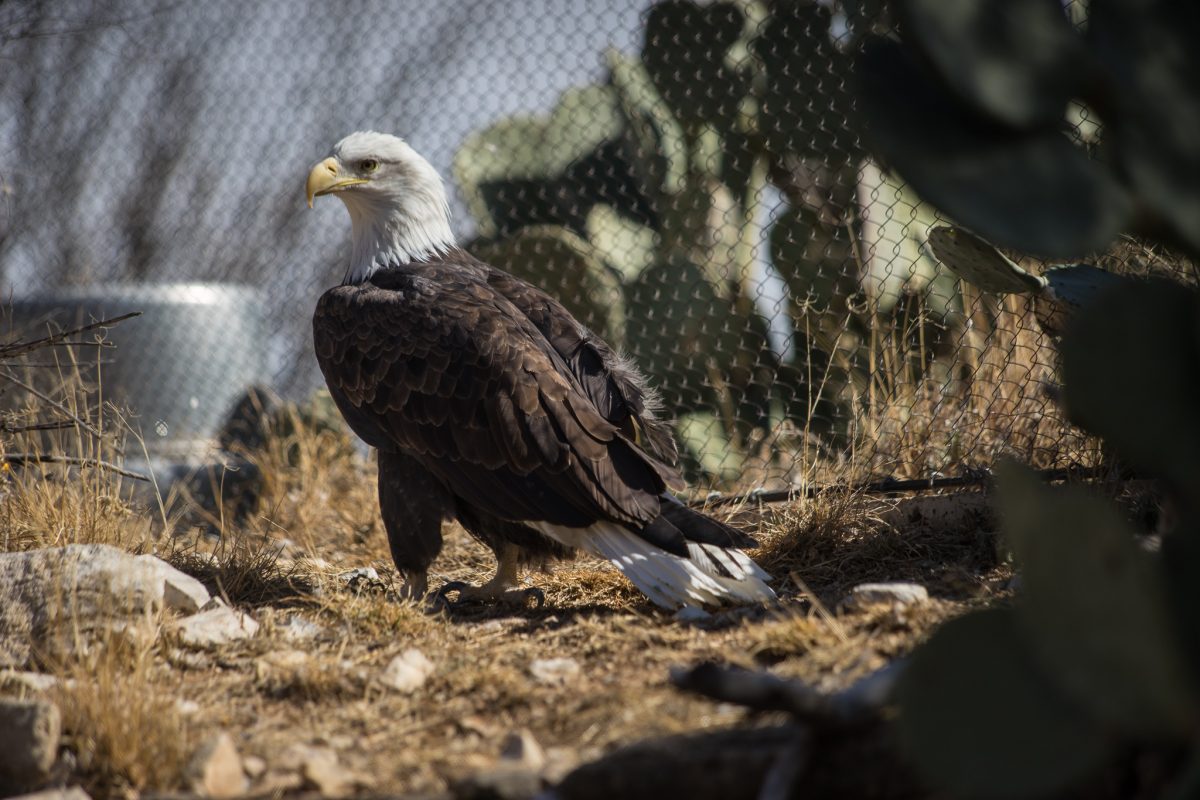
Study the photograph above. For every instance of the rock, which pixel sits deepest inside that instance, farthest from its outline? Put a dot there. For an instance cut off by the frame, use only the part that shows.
(554, 671)
(359, 575)
(254, 766)
(407, 672)
(187, 707)
(691, 615)
(87, 585)
(299, 629)
(37, 682)
(57, 793)
(215, 769)
(503, 782)
(560, 761)
(320, 769)
(892, 592)
(29, 734)
(216, 626)
(520, 747)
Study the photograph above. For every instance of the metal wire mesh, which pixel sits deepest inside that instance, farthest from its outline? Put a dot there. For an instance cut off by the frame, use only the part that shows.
(690, 179)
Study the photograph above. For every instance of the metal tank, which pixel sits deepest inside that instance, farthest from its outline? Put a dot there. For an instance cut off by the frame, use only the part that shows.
(179, 368)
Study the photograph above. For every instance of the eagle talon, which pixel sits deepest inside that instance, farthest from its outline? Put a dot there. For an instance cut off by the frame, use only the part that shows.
(539, 597)
(441, 597)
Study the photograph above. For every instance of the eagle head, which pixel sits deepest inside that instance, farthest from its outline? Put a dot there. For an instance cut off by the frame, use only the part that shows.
(396, 199)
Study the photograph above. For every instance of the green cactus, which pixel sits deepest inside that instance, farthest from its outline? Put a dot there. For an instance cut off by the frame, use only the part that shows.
(627, 246)
(895, 236)
(570, 268)
(980, 264)
(1058, 293)
(1027, 73)
(800, 64)
(1030, 190)
(533, 148)
(652, 140)
(684, 50)
(816, 262)
(1025, 739)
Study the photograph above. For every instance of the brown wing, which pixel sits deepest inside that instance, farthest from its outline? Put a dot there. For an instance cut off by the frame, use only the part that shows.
(442, 366)
(613, 385)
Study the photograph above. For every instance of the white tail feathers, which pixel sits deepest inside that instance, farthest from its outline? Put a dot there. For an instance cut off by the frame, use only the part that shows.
(710, 576)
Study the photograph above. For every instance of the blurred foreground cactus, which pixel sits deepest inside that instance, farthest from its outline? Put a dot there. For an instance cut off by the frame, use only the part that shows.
(643, 204)
(1096, 665)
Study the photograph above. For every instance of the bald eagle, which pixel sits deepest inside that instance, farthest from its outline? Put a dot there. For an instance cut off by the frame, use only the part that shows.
(489, 403)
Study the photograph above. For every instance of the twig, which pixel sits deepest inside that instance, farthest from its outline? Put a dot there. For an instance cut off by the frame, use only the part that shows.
(56, 425)
(57, 406)
(44, 458)
(18, 347)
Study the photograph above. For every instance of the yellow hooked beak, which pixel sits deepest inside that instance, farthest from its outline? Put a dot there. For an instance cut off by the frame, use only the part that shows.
(326, 178)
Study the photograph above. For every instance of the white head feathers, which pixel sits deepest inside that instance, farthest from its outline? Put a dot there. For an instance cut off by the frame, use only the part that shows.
(397, 203)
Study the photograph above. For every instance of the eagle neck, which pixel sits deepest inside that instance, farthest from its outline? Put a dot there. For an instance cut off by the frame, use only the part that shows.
(382, 242)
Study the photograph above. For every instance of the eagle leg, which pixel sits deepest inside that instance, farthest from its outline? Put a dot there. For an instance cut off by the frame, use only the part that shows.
(501, 589)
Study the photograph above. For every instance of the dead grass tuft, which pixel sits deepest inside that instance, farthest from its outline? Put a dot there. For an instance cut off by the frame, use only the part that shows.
(839, 539)
(121, 718)
(245, 569)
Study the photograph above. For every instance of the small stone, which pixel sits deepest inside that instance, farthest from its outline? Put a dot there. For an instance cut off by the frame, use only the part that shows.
(554, 671)
(29, 734)
(407, 672)
(299, 629)
(365, 574)
(896, 592)
(275, 782)
(57, 793)
(520, 747)
(215, 769)
(502, 782)
(692, 615)
(320, 768)
(30, 681)
(214, 627)
(477, 725)
(560, 761)
(187, 707)
(254, 766)
(182, 593)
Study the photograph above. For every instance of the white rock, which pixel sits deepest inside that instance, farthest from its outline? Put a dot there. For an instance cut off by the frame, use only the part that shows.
(215, 769)
(890, 592)
(57, 793)
(182, 593)
(368, 574)
(407, 672)
(522, 748)
(253, 766)
(29, 734)
(319, 766)
(30, 681)
(85, 585)
(187, 707)
(299, 629)
(554, 671)
(215, 627)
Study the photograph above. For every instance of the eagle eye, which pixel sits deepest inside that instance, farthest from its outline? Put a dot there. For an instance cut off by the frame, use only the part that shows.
(368, 165)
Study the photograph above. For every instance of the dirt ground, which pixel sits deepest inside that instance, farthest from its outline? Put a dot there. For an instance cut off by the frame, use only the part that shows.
(587, 673)
(319, 684)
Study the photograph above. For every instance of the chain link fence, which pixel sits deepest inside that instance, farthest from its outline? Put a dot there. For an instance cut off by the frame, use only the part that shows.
(690, 179)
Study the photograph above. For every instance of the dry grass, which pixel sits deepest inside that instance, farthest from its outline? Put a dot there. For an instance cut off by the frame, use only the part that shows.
(312, 674)
(122, 720)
